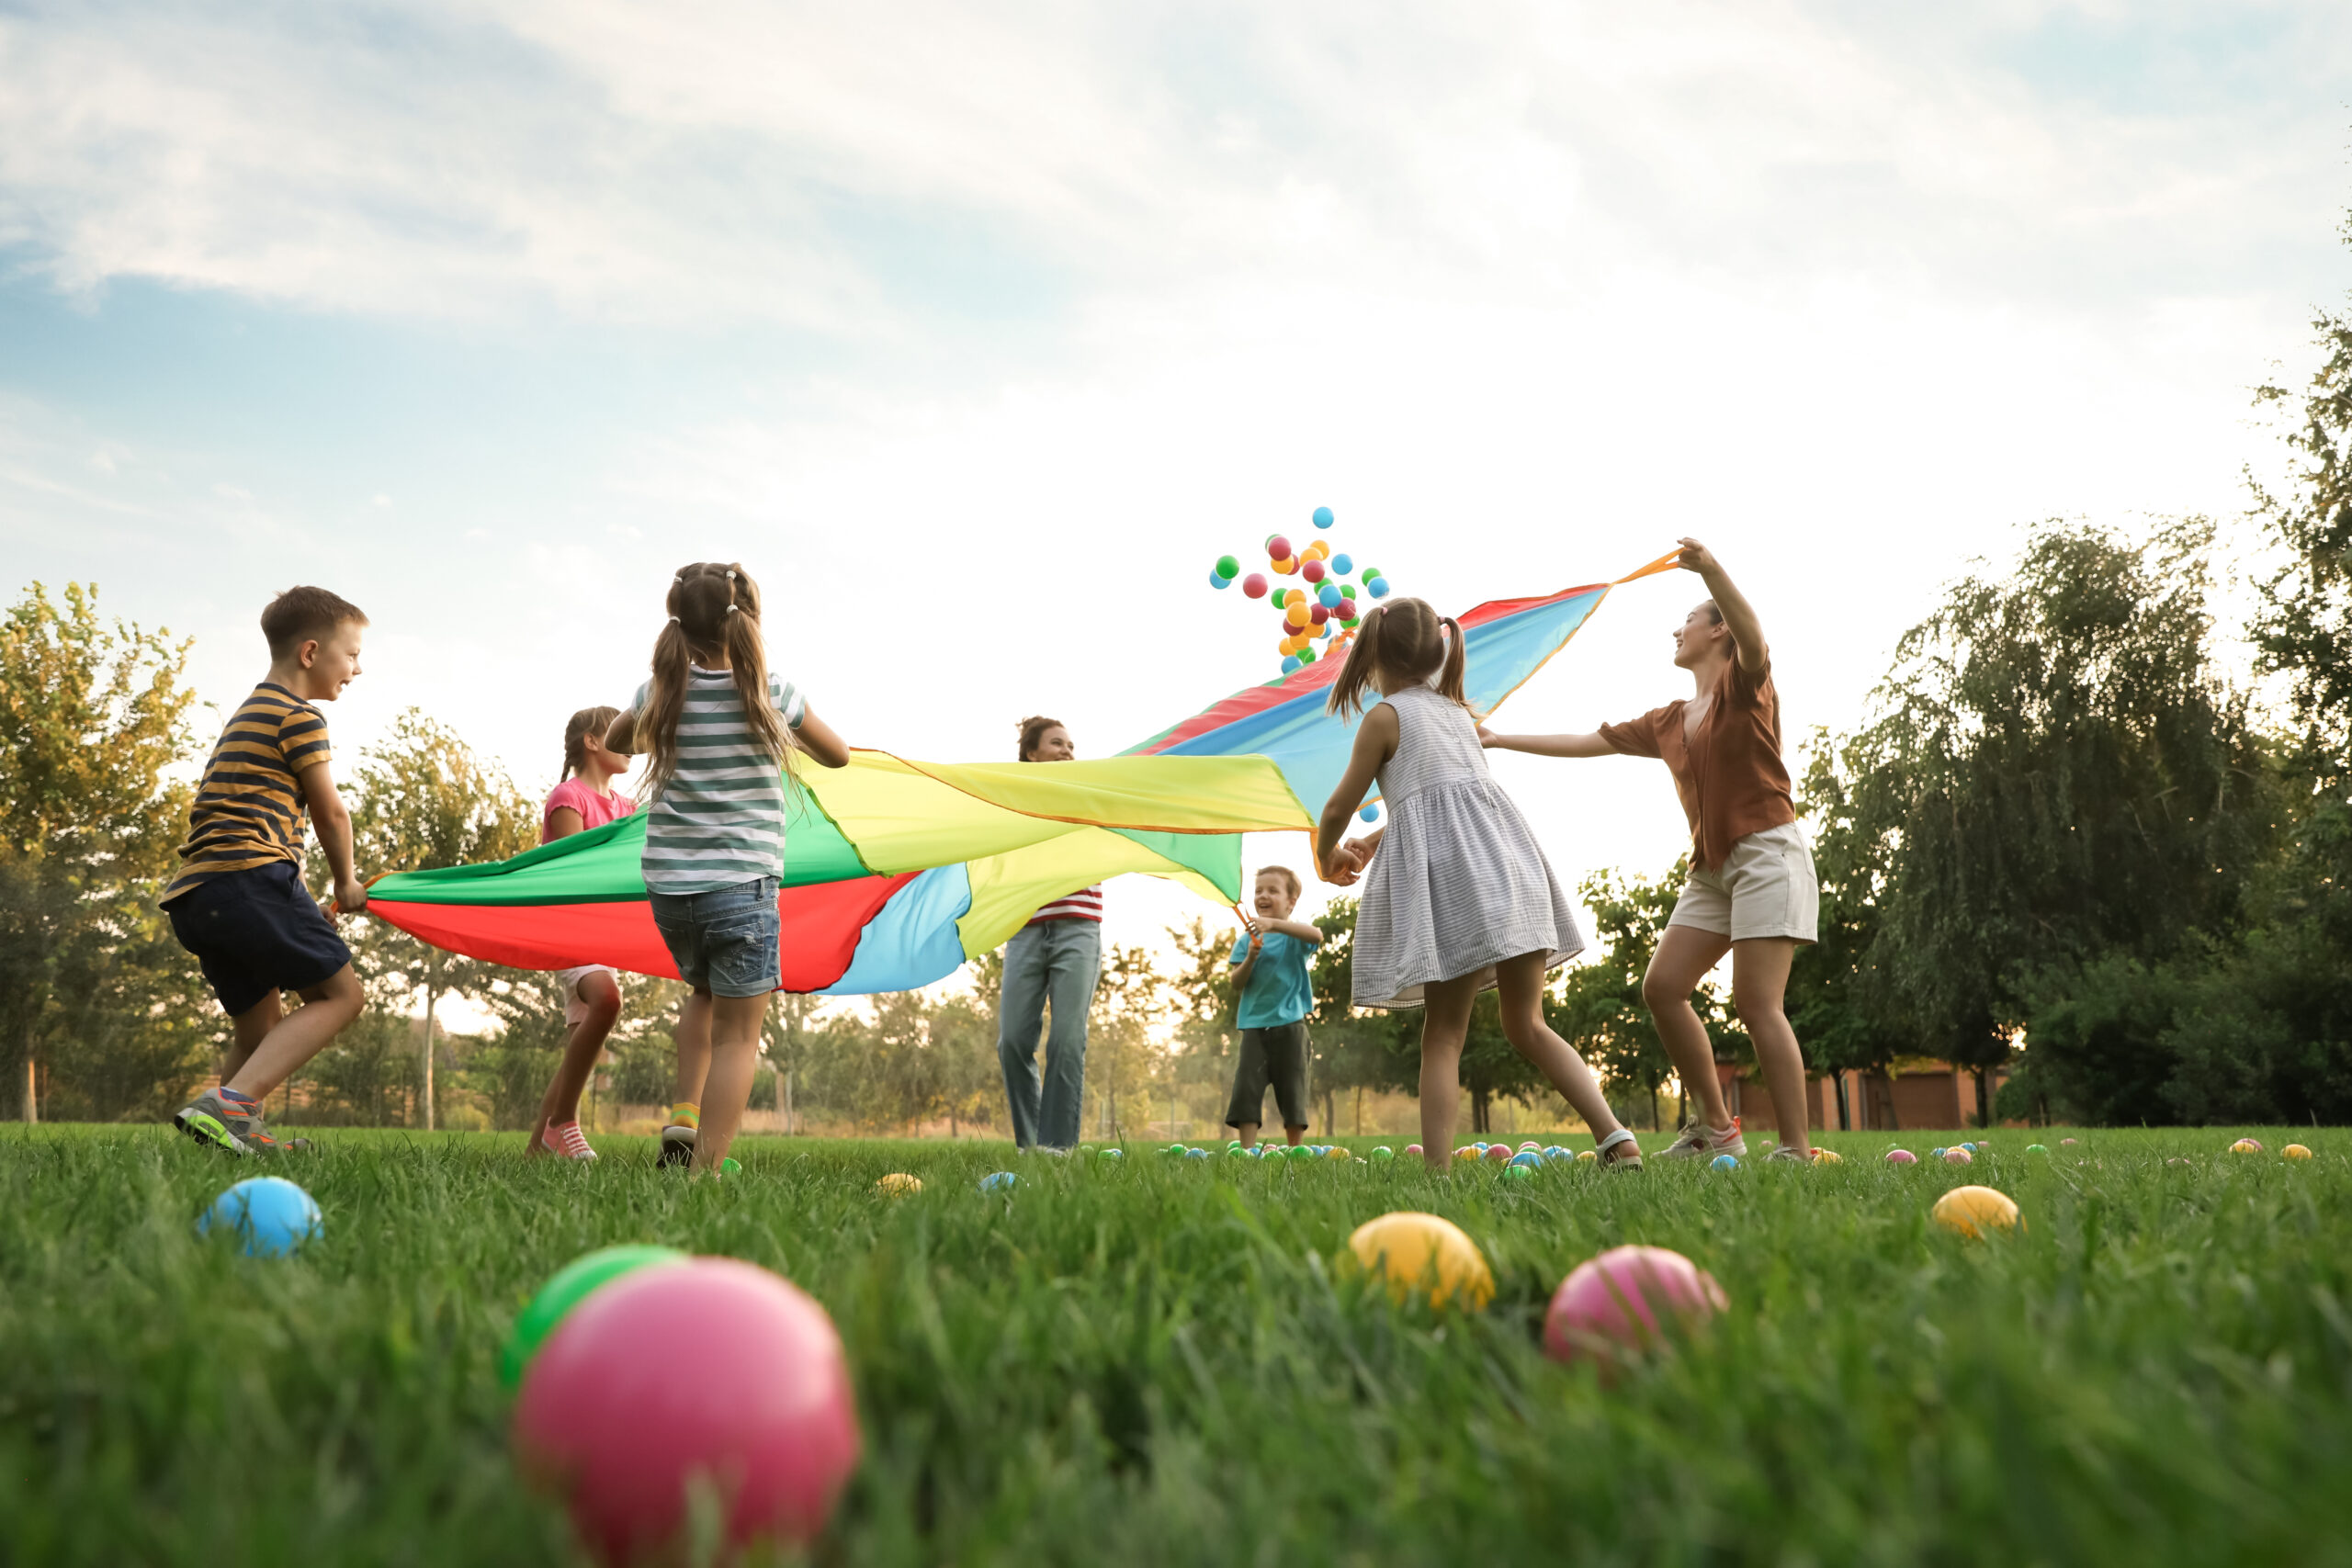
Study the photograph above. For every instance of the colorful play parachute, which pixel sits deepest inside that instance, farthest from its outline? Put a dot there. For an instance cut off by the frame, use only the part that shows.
(1508, 641)
(897, 873)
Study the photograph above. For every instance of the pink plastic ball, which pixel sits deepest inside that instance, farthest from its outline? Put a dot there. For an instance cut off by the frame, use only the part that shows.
(1313, 571)
(1412, 1148)
(1958, 1157)
(710, 1370)
(1615, 1300)
(1254, 585)
(1901, 1157)
(1499, 1152)
(1278, 548)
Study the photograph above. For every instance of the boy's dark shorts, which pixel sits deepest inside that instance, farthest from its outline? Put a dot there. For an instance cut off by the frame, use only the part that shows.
(256, 931)
(1276, 1058)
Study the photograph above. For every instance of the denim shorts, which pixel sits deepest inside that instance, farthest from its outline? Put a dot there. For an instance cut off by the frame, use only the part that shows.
(724, 941)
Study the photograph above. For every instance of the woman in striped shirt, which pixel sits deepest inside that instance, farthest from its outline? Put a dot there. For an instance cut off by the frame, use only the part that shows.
(721, 731)
(1054, 958)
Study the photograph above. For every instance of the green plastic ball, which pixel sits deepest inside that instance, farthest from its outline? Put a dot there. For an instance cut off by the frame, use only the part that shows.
(1227, 567)
(566, 1289)
(1519, 1173)
(1383, 1152)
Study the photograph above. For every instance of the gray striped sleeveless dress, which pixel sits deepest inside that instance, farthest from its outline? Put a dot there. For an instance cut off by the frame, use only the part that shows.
(1459, 883)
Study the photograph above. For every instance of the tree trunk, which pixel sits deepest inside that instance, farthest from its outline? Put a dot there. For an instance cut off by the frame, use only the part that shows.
(432, 996)
(790, 1125)
(1478, 1111)
(1844, 1116)
(1654, 1126)
(32, 1084)
(1358, 1111)
(1983, 1104)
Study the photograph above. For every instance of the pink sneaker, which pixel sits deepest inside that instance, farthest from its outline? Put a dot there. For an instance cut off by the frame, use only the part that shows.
(565, 1138)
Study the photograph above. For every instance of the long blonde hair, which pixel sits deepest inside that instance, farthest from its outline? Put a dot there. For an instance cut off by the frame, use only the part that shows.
(713, 605)
(1402, 640)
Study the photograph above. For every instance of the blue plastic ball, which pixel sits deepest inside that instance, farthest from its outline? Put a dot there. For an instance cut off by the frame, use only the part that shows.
(1322, 517)
(1341, 565)
(1328, 596)
(1197, 1154)
(1217, 581)
(1290, 662)
(998, 1181)
(1114, 1154)
(1529, 1158)
(270, 1214)
(1379, 586)
(1725, 1162)
(1370, 813)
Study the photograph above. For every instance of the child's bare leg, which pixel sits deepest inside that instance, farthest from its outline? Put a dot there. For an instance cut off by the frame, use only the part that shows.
(300, 1035)
(734, 1053)
(1293, 1134)
(1445, 1024)
(1248, 1133)
(1684, 955)
(1521, 982)
(1760, 981)
(581, 1043)
(247, 1031)
(693, 1035)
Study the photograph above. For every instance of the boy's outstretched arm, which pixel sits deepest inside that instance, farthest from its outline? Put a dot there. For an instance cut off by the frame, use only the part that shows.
(331, 821)
(1311, 935)
(1589, 745)
(1746, 631)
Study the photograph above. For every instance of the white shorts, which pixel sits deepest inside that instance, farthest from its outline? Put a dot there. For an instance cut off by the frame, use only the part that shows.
(1765, 888)
(575, 1011)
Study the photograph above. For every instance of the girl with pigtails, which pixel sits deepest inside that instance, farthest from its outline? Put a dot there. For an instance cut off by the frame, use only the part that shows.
(1458, 898)
(721, 731)
(586, 799)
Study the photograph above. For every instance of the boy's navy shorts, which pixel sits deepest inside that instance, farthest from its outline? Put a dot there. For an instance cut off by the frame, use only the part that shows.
(255, 931)
(1271, 1058)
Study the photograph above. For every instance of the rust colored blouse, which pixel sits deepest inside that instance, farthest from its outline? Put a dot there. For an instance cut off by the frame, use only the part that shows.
(1730, 776)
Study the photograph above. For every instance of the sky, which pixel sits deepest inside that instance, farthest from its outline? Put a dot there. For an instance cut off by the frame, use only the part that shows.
(977, 334)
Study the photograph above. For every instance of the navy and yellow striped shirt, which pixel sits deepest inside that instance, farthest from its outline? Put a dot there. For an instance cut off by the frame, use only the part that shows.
(248, 810)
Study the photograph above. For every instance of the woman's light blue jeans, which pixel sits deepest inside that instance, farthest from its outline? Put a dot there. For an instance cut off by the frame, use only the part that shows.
(1056, 962)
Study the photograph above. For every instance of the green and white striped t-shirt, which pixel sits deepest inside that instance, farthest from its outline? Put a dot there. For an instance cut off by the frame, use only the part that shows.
(719, 820)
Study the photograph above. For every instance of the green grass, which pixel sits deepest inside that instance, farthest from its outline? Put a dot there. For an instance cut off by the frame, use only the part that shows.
(1160, 1363)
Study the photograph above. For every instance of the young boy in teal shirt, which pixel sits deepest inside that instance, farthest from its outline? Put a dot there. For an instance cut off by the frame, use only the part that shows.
(1274, 994)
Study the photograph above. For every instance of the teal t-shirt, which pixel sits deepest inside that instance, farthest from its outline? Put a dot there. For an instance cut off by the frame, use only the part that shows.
(1280, 989)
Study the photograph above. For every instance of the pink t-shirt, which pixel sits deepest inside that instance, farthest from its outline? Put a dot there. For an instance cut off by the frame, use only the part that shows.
(595, 809)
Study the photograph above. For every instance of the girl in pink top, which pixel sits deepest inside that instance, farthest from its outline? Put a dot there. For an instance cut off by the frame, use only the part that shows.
(592, 993)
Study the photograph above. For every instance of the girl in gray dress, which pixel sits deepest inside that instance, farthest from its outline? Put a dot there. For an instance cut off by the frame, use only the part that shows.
(1459, 898)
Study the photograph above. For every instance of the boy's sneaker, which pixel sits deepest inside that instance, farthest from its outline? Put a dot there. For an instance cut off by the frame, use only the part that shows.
(566, 1139)
(677, 1145)
(227, 1120)
(1700, 1141)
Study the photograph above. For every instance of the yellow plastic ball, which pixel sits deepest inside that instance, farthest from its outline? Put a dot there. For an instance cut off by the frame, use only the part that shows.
(1423, 1254)
(1318, 550)
(1827, 1157)
(1338, 1153)
(897, 1184)
(1587, 1154)
(1973, 1211)
(2295, 1151)
(1298, 614)
(2246, 1146)
(1284, 567)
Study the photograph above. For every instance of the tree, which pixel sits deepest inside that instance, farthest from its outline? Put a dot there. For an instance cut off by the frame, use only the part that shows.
(1599, 1009)
(92, 717)
(1352, 1049)
(1829, 979)
(426, 801)
(1120, 1051)
(2056, 771)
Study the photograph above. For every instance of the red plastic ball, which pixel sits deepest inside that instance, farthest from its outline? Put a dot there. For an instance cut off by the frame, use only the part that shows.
(1254, 585)
(1616, 1301)
(711, 1372)
(1317, 613)
(1278, 548)
(1314, 571)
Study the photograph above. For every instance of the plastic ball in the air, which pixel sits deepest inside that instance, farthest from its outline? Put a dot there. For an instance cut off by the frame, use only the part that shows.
(1322, 517)
(1278, 548)
(1318, 615)
(1379, 586)
(1312, 570)
(1290, 662)
(1327, 596)
(1228, 567)
(1343, 564)
(1217, 581)
(1307, 656)
(1370, 813)
(1254, 585)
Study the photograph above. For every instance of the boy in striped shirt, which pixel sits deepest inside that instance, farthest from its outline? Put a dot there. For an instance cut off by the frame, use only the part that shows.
(238, 903)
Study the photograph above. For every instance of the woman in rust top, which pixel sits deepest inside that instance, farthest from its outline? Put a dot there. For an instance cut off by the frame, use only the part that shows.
(1751, 891)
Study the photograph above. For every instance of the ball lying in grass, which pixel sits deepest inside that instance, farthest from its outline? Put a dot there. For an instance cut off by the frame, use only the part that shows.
(1975, 1211)
(1113, 1155)
(2037, 1149)
(1627, 1300)
(1412, 1148)
(1383, 1154)
(2295, 1151)
(1498, 1153)
(749, 1396)
(1593, 1155)
(1827, 1157)
(1423, 1254)
(1958, 1157)
(268, 1214)
(998, 1181)
(2246, 1146)
(566, 1289)
(897, 1184)
(1515, 1171)
(1901, 1157)
(1725, 1162)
